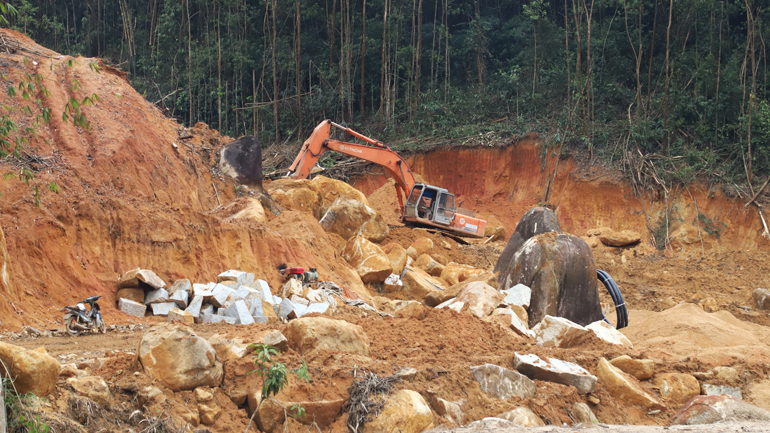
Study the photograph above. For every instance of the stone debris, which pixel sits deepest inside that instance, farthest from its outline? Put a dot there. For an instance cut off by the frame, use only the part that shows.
(732, 391)
(132, 294)
(369, 260)
(608, 333)
(503, 383)
(180, 285)
(479, 298)
(761, 299)
(625, 388)
(94, 388)
(177, 315)
(219, 295)
(131, 308)
(518, 325)
(677, 388)
(709, 409)
(405, 411)
(517, 295)
(555, 370)
(522, 417)
(392, 284)
(641, 369)
(156, 296)
(583, 414)
(195, 306)
(622, 238)
(561, 332)
(453, 411)
(239, 277)
(162, 309)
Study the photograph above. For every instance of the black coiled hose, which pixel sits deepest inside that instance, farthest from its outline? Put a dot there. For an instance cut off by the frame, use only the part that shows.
(617, 298)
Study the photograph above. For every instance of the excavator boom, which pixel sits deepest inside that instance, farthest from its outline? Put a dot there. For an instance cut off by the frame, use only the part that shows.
(439, 210)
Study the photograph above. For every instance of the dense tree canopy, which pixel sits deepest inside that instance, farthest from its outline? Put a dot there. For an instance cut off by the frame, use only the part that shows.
(682, 81)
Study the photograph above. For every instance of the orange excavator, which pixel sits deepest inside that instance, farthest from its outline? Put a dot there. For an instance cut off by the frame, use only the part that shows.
(425, 204)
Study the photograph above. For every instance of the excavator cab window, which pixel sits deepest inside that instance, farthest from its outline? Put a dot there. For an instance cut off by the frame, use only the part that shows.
(410, 210)
(445, 212)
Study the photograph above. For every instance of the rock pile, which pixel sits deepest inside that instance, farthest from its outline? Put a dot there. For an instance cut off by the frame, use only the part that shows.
(236, 298)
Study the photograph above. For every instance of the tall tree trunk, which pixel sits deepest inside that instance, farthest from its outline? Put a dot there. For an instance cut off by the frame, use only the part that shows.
(334, 32)
(219, 68)
(383, 68)
(433, 46)
(589, 77)
(579, 66)
(275, 72)
(569, 67)
(719, 76)
(665, 91)
(363, 59)
(652, 53)
(189, 62)
(479, 54)
(299, 67)
(417, 63)
(751, 21)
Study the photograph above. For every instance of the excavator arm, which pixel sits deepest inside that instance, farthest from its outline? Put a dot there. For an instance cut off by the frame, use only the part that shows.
(376, 152)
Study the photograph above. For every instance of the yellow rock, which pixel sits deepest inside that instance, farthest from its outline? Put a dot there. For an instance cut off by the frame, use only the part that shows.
(369, 261)
(31, 370)
(397, 256)
(308, 334)
(252, 212)
(625, 388)
(641, 369)
(418, 284)
(404, 412)
(677, 388)
(427, 264)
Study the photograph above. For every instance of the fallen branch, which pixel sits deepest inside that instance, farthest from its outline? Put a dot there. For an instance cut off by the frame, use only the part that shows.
(757, 194)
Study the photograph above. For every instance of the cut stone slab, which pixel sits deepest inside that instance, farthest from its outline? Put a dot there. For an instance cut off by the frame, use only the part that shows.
(208, 309)
(195, 306)
(208, 318)
(162, 309)
(503, 383)
(517, 295)
(292, 287)
(177, 315)
(146, 276)
(709, 409)
(285, 307)
(181, 298)
(761, 299)
(298, 311)
(247, 292)
(240, 312)
(299, 300)
(264, 289)
(732, 391)
(641, 369)
(183, 284)
(219, 295)
(555, 370)
(157, 296)
(203, 290)
(132, 308)
(625, 388)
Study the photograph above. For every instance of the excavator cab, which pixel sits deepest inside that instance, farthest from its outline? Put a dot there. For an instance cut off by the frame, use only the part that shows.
(430, 203)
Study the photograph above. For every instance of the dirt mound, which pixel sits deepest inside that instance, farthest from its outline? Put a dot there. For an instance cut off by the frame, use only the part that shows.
(137, 190)
(686, 331)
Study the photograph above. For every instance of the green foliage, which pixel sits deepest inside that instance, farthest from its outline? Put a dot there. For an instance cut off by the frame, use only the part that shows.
(712, 226)
(272, 372)
(19, 419)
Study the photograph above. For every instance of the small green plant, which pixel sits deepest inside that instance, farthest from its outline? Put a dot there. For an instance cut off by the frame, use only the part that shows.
(20, 419)
(712, 226)
(275, 375)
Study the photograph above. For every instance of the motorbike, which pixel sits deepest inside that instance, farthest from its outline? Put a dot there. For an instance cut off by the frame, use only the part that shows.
(77, 319)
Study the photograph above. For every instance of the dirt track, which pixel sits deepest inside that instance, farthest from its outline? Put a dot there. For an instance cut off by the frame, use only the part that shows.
(747, 427)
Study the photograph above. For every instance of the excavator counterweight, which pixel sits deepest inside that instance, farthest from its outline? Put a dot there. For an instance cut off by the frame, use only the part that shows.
(425, 204)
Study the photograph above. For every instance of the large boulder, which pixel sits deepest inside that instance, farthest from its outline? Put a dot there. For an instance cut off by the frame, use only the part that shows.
(535, 221)
(677, 388)
(309, 334)
(418, 284)
(330, 190)
(560, 270)
(178, 359)
(32, 371)
(134, 277)
(709, 409)
(350, 218)
(621, 238)
(419, 247)
(522, 417)
(405, 412)
(242, 160)
(641, 369)
(369, 261)
(296, 195)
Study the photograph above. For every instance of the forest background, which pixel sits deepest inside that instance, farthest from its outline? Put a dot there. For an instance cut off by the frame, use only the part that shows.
(674, 89)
